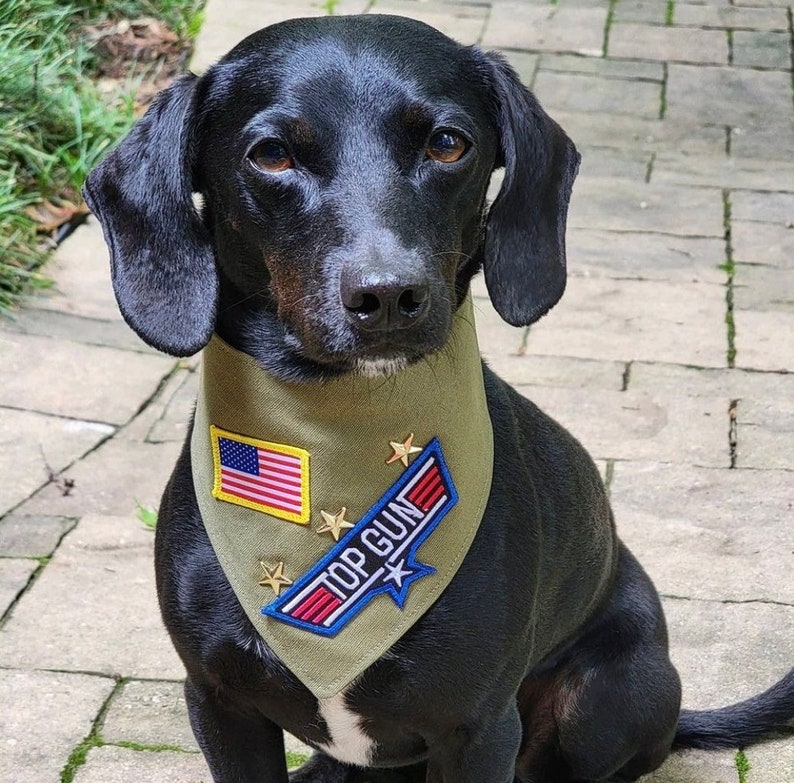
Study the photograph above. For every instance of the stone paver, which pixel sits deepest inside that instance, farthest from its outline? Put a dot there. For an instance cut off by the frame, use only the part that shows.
(728, 96)
(111, 480)
(32, 536)
(626, 320)
(637, 426)
(670, 44)
(111, 764)
(154, 714)
(52, 713)
(93, 607)
(520, 25)
(686, 127)
(14, 576)
(32, 443)
(675, 517)
(87, 387)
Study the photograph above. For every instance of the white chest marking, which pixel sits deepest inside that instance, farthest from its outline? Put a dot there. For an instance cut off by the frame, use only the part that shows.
(348, 742)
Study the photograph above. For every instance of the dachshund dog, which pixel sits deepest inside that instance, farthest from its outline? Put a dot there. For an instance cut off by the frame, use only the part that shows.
(342, 165)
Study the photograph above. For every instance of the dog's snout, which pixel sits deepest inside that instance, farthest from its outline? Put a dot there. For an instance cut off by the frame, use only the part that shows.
(385, 302)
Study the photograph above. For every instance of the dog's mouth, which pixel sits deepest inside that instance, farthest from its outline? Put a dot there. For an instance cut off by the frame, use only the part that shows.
(337, 351)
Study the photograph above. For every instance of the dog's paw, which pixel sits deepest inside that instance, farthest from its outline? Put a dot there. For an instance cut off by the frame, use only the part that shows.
(321, 768)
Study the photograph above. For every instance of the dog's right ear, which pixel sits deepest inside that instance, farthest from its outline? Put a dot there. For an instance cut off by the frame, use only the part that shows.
(161, 256)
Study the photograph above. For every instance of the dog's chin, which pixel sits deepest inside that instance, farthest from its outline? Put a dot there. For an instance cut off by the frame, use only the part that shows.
(380, 368)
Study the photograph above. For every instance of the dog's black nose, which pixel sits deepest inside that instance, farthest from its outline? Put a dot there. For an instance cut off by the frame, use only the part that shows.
(384, 302)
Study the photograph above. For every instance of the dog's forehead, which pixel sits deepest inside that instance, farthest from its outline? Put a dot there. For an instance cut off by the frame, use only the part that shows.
(360, 58)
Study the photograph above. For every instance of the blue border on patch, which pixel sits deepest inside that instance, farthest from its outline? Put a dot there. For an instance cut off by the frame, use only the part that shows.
(417, 569)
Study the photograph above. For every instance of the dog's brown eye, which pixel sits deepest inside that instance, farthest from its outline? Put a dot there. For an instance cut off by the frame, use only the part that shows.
(271, 156)
(446, 147)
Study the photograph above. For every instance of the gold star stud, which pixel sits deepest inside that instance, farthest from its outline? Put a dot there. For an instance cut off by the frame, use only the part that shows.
(274, 577)
(334, 523)
(403, 450)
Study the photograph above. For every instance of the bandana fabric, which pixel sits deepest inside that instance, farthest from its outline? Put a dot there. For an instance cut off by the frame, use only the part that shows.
(340, 510)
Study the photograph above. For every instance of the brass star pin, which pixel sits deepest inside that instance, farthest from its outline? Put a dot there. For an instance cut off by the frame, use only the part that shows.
(403, 450)
(274, 577)
(334, 523)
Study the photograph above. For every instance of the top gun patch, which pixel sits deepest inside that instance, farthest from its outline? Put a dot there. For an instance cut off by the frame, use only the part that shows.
(377, 556)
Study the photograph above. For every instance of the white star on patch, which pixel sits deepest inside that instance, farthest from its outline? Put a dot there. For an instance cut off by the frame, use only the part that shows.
(396, 573)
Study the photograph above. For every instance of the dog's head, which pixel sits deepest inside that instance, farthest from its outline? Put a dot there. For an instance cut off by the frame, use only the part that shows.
(343, 165)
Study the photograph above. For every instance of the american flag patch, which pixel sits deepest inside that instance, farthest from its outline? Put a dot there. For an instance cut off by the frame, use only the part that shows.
(268, 477)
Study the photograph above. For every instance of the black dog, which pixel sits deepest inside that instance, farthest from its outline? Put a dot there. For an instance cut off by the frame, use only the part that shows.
(343, 164)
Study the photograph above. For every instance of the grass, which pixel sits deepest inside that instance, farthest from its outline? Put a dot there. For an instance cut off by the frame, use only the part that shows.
(54, 122)
(147, 515)
(742, 766)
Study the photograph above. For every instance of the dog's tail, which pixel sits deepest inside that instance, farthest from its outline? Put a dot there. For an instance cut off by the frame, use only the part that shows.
(740, 724)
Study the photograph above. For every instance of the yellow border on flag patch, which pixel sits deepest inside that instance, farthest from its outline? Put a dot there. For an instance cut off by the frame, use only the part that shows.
(293, 451)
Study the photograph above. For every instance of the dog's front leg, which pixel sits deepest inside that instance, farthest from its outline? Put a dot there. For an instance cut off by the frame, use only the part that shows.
(239, 747)
(478, 754)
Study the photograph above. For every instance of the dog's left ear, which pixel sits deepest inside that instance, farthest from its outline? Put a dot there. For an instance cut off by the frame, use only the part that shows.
(525, 231)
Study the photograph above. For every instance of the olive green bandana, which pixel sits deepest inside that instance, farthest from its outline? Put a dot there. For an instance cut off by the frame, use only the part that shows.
(340, 510)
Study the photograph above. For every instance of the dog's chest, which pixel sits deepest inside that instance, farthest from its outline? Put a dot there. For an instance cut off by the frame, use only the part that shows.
(348, 741)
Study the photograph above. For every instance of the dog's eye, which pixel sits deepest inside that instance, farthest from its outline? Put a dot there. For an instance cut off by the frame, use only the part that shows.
(271, 156)
(446, 147)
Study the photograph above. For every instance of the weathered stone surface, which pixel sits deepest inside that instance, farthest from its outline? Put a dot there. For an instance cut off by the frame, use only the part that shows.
(764, 341)
(728, 96)
(155, 714)
(765, 434)
(521, 25)
(30, 443)
(621, 205)
(625, 70)
(628, 320)
(149, 713)
(721, 535)
(111, 480)
(172, 425)
(24, 536)
(93, 607)
(605, 162)
(670, 44)
(730, 16)
(771, 244)
(634, 133)
(110, 764)
(645, 256)
(698, 766)
(722, 171)
(771, 142)
(763, 288)
(75, 380)
(637, 426)
(761, 50)
(734, 384)
(80, 270)
(771, 761)
(221, 31)
(728, 652)
(45, 715)
(557, 371)
(14, 576)
(581, 92)
(75, 328)
(461, 21)
(148, 419)
(764, 207)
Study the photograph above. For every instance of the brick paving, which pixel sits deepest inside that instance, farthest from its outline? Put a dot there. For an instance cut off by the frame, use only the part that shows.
(671, 357)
